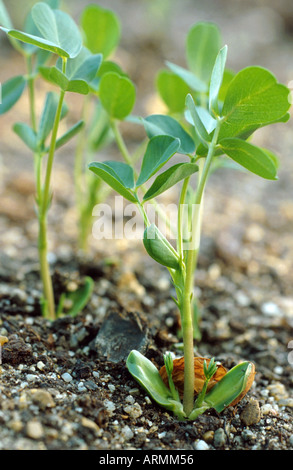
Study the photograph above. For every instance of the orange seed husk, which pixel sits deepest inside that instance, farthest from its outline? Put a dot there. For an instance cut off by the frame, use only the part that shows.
(199, 377)
(248, 386)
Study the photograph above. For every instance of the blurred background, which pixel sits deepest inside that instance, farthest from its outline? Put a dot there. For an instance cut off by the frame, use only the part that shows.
(257, 32)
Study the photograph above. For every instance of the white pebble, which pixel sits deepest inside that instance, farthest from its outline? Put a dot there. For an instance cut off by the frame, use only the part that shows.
(66, 377)
(134, 411)
(126, 432)
(110, 406)
(41, 365)
(270, 309)
(81, 387)
(31, 377)
(201, 445)
(129, 399)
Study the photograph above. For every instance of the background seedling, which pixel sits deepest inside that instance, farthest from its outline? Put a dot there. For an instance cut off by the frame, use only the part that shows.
(49, 33)
(220, 113)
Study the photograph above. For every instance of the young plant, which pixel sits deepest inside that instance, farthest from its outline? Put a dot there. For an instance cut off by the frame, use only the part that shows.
(222, 114)
(49, 32)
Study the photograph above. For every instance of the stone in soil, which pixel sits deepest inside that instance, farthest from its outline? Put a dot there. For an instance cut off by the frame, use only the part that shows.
(120, 333)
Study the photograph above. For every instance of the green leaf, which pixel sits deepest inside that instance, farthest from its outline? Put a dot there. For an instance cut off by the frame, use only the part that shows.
(60, 34)
(254, 99)
(159, 150)
(105, 171)
(196, 120)
(27, 135)
(117, 94)
(58, 78)
(110, 66)
(84, 66)
(227, 79)
(54, 76)
(12, 90)
(78, 298)
(229, 387)
(169, 178)
(188, 77)
(57, 27)
(249, 156)
(48, 116)
(148, 376)
(159, 124)
(80, 72)
(173, 90)
(202, 46)
(217, 80)
(101, 29)
(124, 171)
(73, 131)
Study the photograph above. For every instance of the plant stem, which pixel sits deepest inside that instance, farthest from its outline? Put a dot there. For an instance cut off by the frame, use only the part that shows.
(180, 218)
(120, 142)
(31, 82)
(43, 210)
(191, 257)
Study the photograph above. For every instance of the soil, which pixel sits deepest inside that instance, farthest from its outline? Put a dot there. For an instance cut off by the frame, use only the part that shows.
(64, 384)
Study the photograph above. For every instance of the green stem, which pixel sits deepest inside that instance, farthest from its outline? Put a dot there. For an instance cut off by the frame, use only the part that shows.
(191, 257)
(43, 210)
(180, 218)
(78, 161)
(31, 89)
(120, 142)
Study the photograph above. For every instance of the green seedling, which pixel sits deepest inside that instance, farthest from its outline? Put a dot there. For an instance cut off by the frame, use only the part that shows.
(52, 46)
(220, 112)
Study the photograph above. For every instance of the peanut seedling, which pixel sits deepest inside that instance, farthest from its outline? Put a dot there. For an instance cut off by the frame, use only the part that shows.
(221, 111)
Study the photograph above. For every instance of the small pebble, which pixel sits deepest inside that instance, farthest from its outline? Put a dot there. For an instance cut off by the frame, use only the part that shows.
(270, 309)
(267, 409)
(201, 445)
(208, 436)
(247, 435)
(278, 390)
(34, 429)
(251, 413)
(220, 438)
(41, 365)
(31, 377)
(42, 398)
(134, 411)
(66, 377)
(127, 433)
